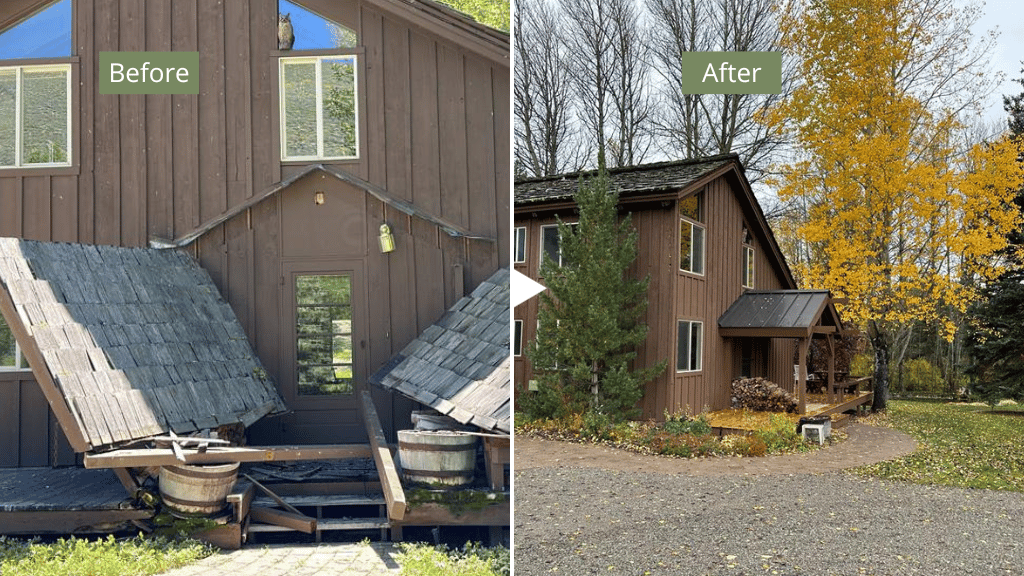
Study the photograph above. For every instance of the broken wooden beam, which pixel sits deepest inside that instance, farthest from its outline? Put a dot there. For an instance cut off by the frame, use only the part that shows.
(133, 457)
(273, 496)
(299, 522)
(389, 480)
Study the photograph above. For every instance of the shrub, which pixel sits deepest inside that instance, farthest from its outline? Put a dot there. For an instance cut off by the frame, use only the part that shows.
(471, 560)
(780, 435)
(681, 424)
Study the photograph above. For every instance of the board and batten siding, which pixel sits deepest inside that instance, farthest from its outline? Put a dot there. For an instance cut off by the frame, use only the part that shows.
(434, 126)
(29, 432)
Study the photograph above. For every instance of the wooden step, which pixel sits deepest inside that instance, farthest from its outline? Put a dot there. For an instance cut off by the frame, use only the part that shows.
(330, 524)
(325, 500)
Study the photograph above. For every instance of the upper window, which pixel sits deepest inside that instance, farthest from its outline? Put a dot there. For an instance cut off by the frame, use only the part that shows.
(691, 247)
(689, 346)
(691, 234)
(748, 267)
(45, 34)
(318, 108)
(309, 30)
(520, 248)
(35, 115)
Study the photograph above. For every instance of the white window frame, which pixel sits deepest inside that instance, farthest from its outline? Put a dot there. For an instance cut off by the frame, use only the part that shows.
(519, 245)
(691, 364)
(703, 245)
(19, 119)
(748, 266)
(543, 252)
(318, 60)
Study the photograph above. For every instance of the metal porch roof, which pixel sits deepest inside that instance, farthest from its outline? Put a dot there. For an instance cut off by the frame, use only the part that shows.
(779, 313)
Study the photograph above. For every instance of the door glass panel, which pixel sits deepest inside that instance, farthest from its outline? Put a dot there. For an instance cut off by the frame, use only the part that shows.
(323, 334)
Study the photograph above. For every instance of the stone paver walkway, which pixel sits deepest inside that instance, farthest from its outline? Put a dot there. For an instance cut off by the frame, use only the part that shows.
(344, 559)
(865, 445)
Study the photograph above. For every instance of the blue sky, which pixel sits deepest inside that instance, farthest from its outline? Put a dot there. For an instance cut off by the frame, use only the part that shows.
(311, 30)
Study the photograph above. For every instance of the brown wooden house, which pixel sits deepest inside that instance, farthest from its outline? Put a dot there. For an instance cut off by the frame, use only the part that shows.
(707, 249)
(283, 203)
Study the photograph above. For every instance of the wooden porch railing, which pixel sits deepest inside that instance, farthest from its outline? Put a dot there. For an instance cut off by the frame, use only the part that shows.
(389, 481)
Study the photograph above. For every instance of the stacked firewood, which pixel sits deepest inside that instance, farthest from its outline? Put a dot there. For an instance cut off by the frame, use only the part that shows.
(761, 395)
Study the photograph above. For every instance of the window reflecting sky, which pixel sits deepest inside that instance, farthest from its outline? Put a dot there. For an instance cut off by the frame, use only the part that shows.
(46, 34)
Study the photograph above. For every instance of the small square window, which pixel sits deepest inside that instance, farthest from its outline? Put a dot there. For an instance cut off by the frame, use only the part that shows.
(692, 207)
(319, 117)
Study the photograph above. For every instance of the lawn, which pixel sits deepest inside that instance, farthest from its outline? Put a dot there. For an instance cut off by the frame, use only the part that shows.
(960, 445)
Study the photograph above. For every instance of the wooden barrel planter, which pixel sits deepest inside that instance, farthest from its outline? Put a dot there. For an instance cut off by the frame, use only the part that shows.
(197, 490)
(437, 457)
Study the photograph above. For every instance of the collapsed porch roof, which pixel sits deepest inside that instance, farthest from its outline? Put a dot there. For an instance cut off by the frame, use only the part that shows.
(128, 343)
(780, 314)
(460, 365)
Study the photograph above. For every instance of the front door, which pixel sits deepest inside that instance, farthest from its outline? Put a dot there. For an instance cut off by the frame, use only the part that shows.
(325, 331)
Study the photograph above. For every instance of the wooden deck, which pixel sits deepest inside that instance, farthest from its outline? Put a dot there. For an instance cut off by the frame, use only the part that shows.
(63, 501)
(744, 421)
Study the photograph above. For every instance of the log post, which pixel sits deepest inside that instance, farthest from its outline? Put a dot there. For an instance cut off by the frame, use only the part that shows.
(801, 384)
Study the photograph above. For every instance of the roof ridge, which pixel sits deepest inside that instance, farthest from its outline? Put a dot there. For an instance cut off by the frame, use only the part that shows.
(636, 168)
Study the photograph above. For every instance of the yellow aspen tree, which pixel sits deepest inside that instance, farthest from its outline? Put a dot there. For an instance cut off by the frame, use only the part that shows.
(900, 209)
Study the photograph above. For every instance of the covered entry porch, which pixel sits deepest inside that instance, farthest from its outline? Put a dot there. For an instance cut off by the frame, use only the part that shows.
(802, 315)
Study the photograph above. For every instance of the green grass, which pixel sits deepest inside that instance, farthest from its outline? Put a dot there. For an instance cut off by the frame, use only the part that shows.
(959, 445)
(472, 560)
(102, 557)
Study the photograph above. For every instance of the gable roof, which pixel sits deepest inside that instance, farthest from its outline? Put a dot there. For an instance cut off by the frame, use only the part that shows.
(780, 313)
(677, 178)
(128, 343)
(657, 177)
(460, 365)
(456, 26)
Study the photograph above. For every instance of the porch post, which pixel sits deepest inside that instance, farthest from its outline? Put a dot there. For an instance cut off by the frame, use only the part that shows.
(801, 385)
(832, 371)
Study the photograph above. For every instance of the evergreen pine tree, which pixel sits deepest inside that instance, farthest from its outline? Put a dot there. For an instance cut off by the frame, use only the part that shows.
(996, 338)
(589, 317)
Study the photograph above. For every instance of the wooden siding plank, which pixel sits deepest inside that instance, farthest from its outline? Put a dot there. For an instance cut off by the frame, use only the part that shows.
(84, 14)
(212, 106)
(481, 158)
(36, 204)
(159, 114)
(64, 206)
(451, 96)
(107, 130)
(132, 162)
(501, 118)
(266, 159)
(184, 123)
(10, 195)
(238, 83)
(35, 426)
(10, 420)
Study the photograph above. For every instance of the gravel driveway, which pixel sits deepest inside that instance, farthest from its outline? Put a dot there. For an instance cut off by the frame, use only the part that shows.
(594, 521)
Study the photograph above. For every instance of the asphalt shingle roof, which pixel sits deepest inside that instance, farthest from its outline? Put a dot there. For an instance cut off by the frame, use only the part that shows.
(460, 365)
(138, 341)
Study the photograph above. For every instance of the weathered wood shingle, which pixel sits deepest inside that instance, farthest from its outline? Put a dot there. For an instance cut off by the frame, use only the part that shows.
(460, 365)
(138, 341)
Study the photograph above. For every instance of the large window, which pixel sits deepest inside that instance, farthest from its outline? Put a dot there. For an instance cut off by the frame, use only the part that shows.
(44, 34)
(35, 115)
(323, 332)
(551, 243)
(691, 234)
(689, 346)
(319, 117)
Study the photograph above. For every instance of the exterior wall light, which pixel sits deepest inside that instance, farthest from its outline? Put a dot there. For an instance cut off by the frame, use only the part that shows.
(387, 239)
(318, 198)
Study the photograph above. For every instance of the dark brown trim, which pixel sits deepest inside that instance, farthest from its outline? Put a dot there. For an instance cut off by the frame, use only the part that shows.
(377, 192)
(40, 61)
